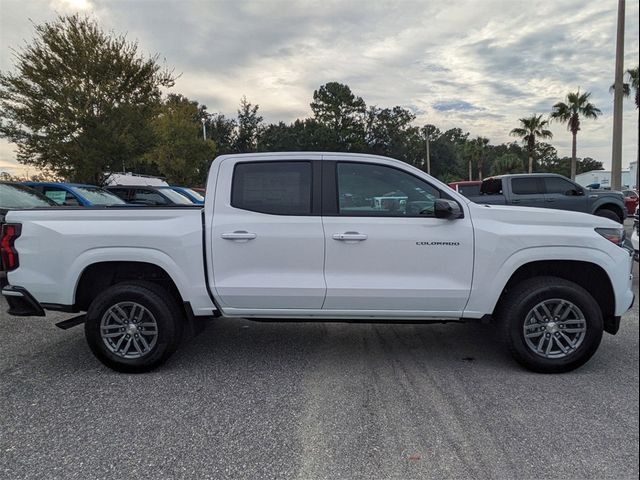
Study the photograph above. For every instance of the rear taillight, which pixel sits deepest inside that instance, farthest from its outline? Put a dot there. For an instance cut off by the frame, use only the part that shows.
(8, 254)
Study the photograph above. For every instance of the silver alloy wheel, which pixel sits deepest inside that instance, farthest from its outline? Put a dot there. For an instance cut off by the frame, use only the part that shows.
(554, 328)
(129, 330)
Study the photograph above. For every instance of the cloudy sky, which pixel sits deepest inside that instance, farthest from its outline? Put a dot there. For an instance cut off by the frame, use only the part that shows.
(474, 64)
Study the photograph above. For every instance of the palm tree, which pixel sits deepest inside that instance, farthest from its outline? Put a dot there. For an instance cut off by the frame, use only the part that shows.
(530, 129)
(633, 81)
(569, 112)
(480, 143)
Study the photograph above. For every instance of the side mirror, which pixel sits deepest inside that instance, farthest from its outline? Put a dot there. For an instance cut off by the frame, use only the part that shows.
(448, 209)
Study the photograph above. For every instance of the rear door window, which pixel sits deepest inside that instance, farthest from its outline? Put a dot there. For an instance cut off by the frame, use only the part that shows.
(526, 186)
(276, 188)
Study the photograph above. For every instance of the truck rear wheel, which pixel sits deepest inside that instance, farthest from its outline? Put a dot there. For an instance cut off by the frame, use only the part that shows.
(133, 327)
(550, 324)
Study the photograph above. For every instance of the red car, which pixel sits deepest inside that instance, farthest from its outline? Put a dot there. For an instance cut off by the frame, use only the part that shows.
(630, 200)
(468, 188)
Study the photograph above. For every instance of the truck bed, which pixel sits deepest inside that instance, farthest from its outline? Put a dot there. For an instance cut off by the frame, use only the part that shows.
(68, 239)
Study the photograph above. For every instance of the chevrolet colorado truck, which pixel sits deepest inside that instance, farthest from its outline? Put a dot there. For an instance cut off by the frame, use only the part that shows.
(549, 190)
(322, 237)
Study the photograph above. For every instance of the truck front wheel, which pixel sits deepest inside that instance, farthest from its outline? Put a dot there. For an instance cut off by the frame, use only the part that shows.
(610, 214)
(550, 324)
(133, 326)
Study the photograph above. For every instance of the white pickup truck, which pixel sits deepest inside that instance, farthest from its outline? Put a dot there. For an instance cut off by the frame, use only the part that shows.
(326, 237)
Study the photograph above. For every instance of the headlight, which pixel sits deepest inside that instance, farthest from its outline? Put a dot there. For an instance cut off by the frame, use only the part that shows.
(614, 235)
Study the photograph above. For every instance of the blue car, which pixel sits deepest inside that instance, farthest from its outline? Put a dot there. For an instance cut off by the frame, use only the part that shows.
(192, 195)
(75, 194)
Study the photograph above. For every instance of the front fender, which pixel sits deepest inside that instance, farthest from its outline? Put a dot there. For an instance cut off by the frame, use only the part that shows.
(488, 285)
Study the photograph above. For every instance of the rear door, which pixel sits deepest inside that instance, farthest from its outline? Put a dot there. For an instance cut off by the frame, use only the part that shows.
(385, 250)
(267, 237)
(527, 192)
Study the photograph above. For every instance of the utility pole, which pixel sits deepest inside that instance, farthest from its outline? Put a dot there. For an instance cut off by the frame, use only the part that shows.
(427, 152)
(616, 153)
(204, 129)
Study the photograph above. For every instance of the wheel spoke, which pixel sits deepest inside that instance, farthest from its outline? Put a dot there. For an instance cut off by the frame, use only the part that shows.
(137, 345)
(546, 311)
(538, 315)
(540, 344)
(111, 327)
(144, 343)
(112, 335)
(559, 307)
(562, 347)
(533, 335)
(550, 344)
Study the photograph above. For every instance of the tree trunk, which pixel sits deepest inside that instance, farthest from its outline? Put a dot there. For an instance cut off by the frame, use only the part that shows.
(470, 170)
(530, 163)
(573, 155)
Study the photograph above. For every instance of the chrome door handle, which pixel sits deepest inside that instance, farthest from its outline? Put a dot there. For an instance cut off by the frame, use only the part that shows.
(350, 236)
(238, 235)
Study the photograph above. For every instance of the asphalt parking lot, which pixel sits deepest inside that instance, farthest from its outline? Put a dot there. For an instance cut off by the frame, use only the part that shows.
(259, 400)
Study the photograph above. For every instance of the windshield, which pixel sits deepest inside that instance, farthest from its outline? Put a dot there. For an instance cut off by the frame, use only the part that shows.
(175, 197)
(19, 196)
(193, 193)
(98, 196)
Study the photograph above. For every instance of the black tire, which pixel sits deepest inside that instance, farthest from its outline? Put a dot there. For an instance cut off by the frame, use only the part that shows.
(164, 310)
(610, 214)
(520, 300)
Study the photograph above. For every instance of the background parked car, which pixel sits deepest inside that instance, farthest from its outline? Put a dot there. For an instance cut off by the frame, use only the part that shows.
(75, 194)
(148, 195)
(630, 200)
(190, 193)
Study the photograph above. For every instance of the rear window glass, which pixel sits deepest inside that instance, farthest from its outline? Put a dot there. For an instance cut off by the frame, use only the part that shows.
(279, 188)
(18, 196)
(525, 186)
(491, 186)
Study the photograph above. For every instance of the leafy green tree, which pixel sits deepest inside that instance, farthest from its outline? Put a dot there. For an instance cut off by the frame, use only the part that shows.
(389, 132)
(336, 107)
(575, 106)
(221, 130)
(507, 163)
(180, 153)
(80, 100)
(531, 128)
(249, 127)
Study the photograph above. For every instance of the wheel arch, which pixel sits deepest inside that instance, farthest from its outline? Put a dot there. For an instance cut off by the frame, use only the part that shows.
(620, 211)
(590, 276)
(98, 276)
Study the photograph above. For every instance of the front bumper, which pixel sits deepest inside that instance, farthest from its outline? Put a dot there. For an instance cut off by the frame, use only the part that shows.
(21, 302)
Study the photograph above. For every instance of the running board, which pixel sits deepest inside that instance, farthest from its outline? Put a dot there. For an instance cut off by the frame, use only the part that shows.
(71, 322)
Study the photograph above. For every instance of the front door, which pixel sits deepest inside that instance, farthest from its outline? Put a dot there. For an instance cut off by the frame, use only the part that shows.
(564, 195)
(267, 237)
(385, 250)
